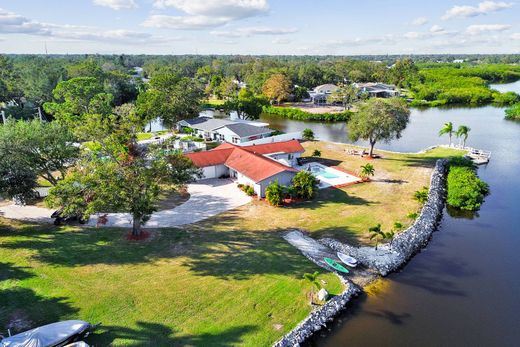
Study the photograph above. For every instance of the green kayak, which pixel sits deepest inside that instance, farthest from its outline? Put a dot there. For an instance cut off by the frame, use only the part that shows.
(335, 265)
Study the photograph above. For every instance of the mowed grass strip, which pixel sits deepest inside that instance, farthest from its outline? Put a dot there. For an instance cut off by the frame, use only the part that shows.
(197, 287)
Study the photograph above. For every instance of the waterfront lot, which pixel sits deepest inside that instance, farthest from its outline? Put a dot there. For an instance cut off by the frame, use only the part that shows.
(229, 280)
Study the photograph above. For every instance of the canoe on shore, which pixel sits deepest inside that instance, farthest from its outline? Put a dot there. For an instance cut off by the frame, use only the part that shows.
(333, 264)
(347, 259)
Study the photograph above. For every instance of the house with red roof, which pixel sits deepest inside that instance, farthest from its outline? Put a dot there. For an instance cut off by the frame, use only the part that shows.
(255, 165)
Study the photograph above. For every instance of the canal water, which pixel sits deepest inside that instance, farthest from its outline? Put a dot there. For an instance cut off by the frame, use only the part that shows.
(464, 288)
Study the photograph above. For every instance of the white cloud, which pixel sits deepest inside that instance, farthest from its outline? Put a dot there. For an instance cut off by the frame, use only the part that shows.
(205, 13)
(116, 4)
(281, 41)
(515, 36)
(252, 31)
(482, 8)
(420, 21)
(12, 23)
(436, 29)
(486, 28)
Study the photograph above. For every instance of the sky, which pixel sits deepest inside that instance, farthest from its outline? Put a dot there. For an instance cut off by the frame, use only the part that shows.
(296, 27)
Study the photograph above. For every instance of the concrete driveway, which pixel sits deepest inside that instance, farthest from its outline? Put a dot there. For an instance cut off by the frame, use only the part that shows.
(207, 198)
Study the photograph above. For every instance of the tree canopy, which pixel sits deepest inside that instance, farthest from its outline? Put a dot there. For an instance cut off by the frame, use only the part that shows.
(379, 120)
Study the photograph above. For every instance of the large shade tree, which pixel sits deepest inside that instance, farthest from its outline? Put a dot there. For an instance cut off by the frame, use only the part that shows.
(277, 87)
(43, 148)
(379, 120)
(170, 98)
(245, 104)
(117, 175)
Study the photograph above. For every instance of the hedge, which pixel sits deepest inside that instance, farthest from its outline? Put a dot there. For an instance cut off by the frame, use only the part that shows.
(297, 114)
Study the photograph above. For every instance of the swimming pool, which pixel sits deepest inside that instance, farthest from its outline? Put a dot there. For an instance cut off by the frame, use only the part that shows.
(329, 176)
(322, 172)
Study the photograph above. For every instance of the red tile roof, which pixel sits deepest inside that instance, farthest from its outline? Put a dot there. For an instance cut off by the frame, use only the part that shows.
(292, 146)
(210, 158)
(249, 160)
(255, 166)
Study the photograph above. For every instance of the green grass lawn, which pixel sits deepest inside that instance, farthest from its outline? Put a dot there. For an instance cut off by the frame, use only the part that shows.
(144, 136)
(200, 287)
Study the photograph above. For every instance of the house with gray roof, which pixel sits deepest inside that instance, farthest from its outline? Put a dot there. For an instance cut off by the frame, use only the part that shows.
(224, 130)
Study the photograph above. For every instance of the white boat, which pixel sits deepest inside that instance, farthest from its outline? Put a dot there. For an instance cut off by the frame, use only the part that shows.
(347, 259)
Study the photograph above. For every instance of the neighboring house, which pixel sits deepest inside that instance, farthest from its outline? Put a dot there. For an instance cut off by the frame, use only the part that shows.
(224, 130)
(320, 93)
(377, 90)
(256, 165)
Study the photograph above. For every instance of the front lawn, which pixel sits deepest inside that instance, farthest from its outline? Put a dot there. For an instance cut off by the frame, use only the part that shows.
(197, 287)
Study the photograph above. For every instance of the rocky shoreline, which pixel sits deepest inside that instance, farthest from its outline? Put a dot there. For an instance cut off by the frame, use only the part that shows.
(387, 258)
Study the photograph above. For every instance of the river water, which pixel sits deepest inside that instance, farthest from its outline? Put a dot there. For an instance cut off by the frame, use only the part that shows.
(464, 288)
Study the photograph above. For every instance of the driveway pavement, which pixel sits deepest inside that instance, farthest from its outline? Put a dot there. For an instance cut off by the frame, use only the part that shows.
(207, 199)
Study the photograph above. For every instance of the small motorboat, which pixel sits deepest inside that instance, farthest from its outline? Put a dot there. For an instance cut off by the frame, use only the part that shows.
(335, 265)
(58, 334)
(347, 259)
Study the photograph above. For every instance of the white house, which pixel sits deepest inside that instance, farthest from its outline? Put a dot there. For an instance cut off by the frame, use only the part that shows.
(224, 130)
(320, 93)
(256, 165)
(377, 90)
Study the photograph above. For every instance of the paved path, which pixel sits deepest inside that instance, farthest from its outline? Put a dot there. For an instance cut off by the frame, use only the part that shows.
(207, 198)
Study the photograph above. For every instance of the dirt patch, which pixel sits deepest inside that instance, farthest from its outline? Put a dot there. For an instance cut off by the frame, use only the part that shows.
(146, 235)
(172, 198)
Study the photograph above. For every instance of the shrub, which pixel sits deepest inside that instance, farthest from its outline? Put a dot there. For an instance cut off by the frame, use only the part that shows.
(421, 195)
(192, 138)
(513, 112)
(465, 190)
(398, 226)
(297, 114)
(305, 185)
(308, 134)
(412, 215)
(249, 190)
(274, 193)
(316, 153)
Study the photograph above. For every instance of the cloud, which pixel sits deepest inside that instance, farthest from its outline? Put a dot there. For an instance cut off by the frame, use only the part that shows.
(12, 23)
(420, 21)
(436, 29)
(486, 28)
(253, 31)
(201, 14)
(482, 8)
(116, 4)
(281, 41)
(515, 36)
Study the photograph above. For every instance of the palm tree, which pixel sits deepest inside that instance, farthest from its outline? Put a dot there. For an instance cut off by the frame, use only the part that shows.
(367, 170)
(447, 129)
(463, 131)
(313, 279)
(376, 232)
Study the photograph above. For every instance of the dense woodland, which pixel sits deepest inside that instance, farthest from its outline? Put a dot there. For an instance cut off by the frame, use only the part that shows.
(27, 82)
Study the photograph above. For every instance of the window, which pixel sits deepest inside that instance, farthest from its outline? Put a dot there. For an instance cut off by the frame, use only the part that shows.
(291, 156)
(235, 140)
